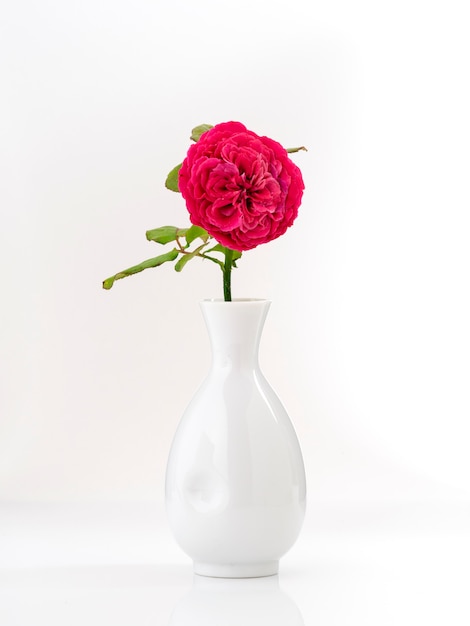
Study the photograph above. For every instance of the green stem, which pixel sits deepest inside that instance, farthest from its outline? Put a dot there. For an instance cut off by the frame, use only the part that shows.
(228, 274)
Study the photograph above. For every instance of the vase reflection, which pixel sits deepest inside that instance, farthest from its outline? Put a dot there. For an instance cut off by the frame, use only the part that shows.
(232, 602)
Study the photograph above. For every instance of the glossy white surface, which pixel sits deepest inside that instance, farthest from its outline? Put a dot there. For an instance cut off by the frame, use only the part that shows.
(355, 564)
(235, 484)
(216, 601)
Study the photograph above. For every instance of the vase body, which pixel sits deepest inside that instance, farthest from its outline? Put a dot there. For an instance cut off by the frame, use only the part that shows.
(235, 481)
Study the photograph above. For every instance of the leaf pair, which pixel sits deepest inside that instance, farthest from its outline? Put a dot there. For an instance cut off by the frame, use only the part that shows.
(165, 234)
(183, 237)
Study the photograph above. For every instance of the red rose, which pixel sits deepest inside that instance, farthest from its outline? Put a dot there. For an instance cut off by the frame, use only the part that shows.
(242, 188)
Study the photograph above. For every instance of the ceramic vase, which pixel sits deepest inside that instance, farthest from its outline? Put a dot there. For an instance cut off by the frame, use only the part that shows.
(235, 481)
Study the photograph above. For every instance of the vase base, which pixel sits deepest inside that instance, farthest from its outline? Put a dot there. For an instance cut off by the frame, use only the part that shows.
(237, 570)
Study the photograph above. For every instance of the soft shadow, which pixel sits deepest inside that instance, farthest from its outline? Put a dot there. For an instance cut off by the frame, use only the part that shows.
(236, 602)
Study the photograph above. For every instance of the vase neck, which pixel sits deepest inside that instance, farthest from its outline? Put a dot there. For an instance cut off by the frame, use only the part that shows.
(235, 330)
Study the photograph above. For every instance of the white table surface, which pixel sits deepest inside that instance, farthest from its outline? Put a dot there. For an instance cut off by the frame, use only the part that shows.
(105, 563)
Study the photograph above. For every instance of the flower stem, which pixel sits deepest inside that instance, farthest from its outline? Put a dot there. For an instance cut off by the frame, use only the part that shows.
(227, 271)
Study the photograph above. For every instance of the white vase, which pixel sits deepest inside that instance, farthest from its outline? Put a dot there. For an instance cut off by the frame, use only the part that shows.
(235, 482)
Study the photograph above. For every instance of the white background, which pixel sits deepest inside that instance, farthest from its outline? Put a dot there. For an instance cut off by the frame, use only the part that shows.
(367, 342)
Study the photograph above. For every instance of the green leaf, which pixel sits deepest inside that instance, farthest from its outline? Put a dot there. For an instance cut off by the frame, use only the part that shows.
(219, 248)
(182, 262)
(296, 149)
(199, 130)
(194, 232)
(171, 182)
(218, 261)
(187, 257)
(165, 234)
(155, 262)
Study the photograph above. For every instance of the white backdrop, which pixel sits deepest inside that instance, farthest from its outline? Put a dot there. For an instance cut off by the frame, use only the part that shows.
(367, 342)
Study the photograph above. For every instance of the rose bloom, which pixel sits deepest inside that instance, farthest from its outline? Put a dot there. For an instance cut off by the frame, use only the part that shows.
(242, 188)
